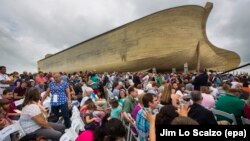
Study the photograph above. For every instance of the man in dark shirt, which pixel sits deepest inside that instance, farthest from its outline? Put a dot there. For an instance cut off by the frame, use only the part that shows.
(200, 80)
(136, 79)
(78, 91)
(199, 113)
(19, 92)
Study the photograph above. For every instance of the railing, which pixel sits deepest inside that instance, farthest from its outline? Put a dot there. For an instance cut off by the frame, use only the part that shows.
(242, 66)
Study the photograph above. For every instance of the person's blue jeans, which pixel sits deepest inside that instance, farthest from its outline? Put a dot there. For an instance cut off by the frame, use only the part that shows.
(64, 113)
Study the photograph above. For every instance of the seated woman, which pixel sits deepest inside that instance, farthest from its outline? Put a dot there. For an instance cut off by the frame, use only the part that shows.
(33, 121)
(100, 100)
(169, 96)
(89, 93)
(208, 100)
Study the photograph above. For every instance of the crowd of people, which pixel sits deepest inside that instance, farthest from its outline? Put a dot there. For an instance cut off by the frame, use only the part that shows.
(108, 102)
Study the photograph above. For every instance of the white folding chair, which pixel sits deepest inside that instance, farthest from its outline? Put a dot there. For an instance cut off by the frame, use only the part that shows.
(75, 115)
(133, 135)
(47, 105)
(20, 129)
(245, 121)
(69, 135)
(75, 103)
(122, 119)
(75, 110)
(43, 93)
(16, 127)
(19, 102)
(77, 125)
(225, 114)
(128, 127)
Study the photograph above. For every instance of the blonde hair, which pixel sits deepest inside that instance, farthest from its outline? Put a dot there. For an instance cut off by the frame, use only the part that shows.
(184, 121)
(166, 94)
(140, 98)
(204, 89)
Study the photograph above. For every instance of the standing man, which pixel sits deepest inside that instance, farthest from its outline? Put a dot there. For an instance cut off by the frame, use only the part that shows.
(201, 80)
(150, 103)
(129, 104)
(4, 80)
(136, 79)
(60, 99)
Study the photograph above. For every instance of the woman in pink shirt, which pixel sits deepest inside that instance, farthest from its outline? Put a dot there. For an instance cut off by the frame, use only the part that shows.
(208, 100)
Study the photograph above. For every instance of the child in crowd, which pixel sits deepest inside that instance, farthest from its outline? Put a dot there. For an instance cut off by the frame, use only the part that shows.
(101, 101)
(8, 95)
(116, 109)
(91, 122)
(4, 119)
(84, 107)
(99, 112)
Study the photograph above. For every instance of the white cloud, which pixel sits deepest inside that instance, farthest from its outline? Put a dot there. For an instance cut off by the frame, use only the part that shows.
(30, 29)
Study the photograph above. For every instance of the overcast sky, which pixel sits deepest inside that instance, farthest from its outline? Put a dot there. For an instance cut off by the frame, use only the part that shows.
(30, 29)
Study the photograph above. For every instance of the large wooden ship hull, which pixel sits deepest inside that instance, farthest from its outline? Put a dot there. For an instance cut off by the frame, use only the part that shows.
(163, 40)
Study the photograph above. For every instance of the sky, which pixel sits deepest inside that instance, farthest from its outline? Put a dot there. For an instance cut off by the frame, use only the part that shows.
(30, 29)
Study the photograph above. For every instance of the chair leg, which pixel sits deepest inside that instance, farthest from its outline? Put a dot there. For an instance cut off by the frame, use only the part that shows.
(128, 132)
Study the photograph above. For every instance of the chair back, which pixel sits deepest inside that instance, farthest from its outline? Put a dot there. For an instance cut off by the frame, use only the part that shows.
(245, 121)
(77, 125)
(16, 127)
(69, 135)
(225, 114)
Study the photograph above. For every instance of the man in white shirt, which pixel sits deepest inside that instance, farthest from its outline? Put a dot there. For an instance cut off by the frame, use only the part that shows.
(4, 79)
